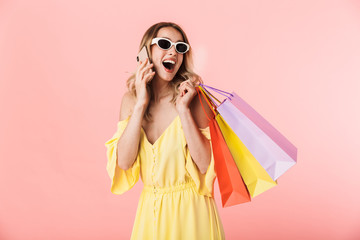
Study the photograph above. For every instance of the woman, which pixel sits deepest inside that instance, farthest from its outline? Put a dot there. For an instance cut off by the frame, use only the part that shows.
(163, 135)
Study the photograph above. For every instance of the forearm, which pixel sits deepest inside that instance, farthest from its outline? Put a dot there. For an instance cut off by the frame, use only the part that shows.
(198, 144)
(129, 141)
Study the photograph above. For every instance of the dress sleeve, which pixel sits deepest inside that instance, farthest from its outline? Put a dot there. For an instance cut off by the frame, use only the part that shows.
(121, 180)
(204, 182)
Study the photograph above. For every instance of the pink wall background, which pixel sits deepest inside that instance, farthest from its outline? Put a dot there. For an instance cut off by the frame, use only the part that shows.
(63, 67)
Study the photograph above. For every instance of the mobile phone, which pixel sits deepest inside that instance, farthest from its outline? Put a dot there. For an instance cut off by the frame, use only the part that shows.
(142, 55)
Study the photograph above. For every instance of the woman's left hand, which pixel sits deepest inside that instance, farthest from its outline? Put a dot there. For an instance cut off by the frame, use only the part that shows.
(187, 93)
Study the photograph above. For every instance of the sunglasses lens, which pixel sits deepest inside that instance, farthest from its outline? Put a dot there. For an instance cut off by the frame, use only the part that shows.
(164, 44)
(181, 48)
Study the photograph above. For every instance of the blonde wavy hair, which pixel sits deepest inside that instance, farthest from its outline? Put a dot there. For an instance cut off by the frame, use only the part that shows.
(184, 73)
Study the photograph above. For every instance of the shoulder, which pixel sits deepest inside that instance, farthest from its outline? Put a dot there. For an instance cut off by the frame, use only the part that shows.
(127, 105)
(200, 110)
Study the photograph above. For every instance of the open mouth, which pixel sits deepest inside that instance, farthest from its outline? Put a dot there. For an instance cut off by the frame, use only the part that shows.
(168, 65)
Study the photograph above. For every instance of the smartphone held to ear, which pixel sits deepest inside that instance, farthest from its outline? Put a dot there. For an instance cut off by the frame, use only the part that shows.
(142, 55)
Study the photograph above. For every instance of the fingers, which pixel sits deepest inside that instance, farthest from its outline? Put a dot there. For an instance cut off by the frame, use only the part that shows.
(143, 64)
(146, 70)
(143, 68)
(186, 84)
(186, 87)
(148, 77)
(150, 73)
(189, 82)
(182, 88)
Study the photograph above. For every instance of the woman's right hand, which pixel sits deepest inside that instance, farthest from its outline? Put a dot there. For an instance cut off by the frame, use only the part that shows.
(143, 77)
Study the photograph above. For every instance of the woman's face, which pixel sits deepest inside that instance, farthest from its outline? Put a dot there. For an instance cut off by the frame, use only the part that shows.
(159, 55)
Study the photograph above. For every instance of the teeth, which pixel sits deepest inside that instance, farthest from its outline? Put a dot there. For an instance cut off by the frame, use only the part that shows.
(169, 61)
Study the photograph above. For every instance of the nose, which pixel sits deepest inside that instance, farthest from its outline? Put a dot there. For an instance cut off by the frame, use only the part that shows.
(172, 50)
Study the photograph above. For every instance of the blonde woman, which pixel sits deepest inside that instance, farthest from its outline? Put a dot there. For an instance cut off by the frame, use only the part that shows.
(163, 136)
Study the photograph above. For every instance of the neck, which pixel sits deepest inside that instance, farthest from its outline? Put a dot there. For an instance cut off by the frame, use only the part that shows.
(161, 89)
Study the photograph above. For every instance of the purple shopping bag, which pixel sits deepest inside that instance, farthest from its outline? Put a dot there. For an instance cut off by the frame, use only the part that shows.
(270, 148)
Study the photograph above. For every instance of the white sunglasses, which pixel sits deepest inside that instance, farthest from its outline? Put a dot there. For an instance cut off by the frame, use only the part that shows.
(166, 44)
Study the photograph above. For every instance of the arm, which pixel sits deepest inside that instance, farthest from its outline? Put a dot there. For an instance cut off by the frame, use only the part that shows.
(192, 118)
(198, 144)
(129, 140)
(136, 107)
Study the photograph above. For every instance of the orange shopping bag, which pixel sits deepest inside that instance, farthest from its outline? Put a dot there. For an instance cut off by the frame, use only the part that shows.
(232, 187)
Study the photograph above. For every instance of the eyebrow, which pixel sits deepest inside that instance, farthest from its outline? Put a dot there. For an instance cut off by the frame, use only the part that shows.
(171, 40)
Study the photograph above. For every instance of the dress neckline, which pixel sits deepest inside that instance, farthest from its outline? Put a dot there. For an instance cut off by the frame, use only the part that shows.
(162, 134)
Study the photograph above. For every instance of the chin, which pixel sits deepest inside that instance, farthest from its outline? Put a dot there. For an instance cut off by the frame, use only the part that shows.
(169, 77)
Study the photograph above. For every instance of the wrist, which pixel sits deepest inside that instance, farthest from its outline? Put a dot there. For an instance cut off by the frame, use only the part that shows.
(183, 110)
(140, 107)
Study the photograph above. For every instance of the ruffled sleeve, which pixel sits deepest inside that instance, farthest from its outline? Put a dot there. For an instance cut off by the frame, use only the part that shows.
(204, 182)
(121, 180)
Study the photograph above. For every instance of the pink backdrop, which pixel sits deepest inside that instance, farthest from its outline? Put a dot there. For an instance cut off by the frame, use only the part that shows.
(63, 67)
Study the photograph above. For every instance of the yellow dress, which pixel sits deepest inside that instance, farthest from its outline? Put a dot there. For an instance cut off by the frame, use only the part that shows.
(177, 201)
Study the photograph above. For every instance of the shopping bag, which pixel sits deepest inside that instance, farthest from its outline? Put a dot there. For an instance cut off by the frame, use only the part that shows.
(270, 148)
(231, 185)
(254, 175)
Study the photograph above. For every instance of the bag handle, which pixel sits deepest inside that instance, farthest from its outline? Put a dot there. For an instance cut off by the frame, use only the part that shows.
(211, 105)
(227, 94)
(210, 96)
